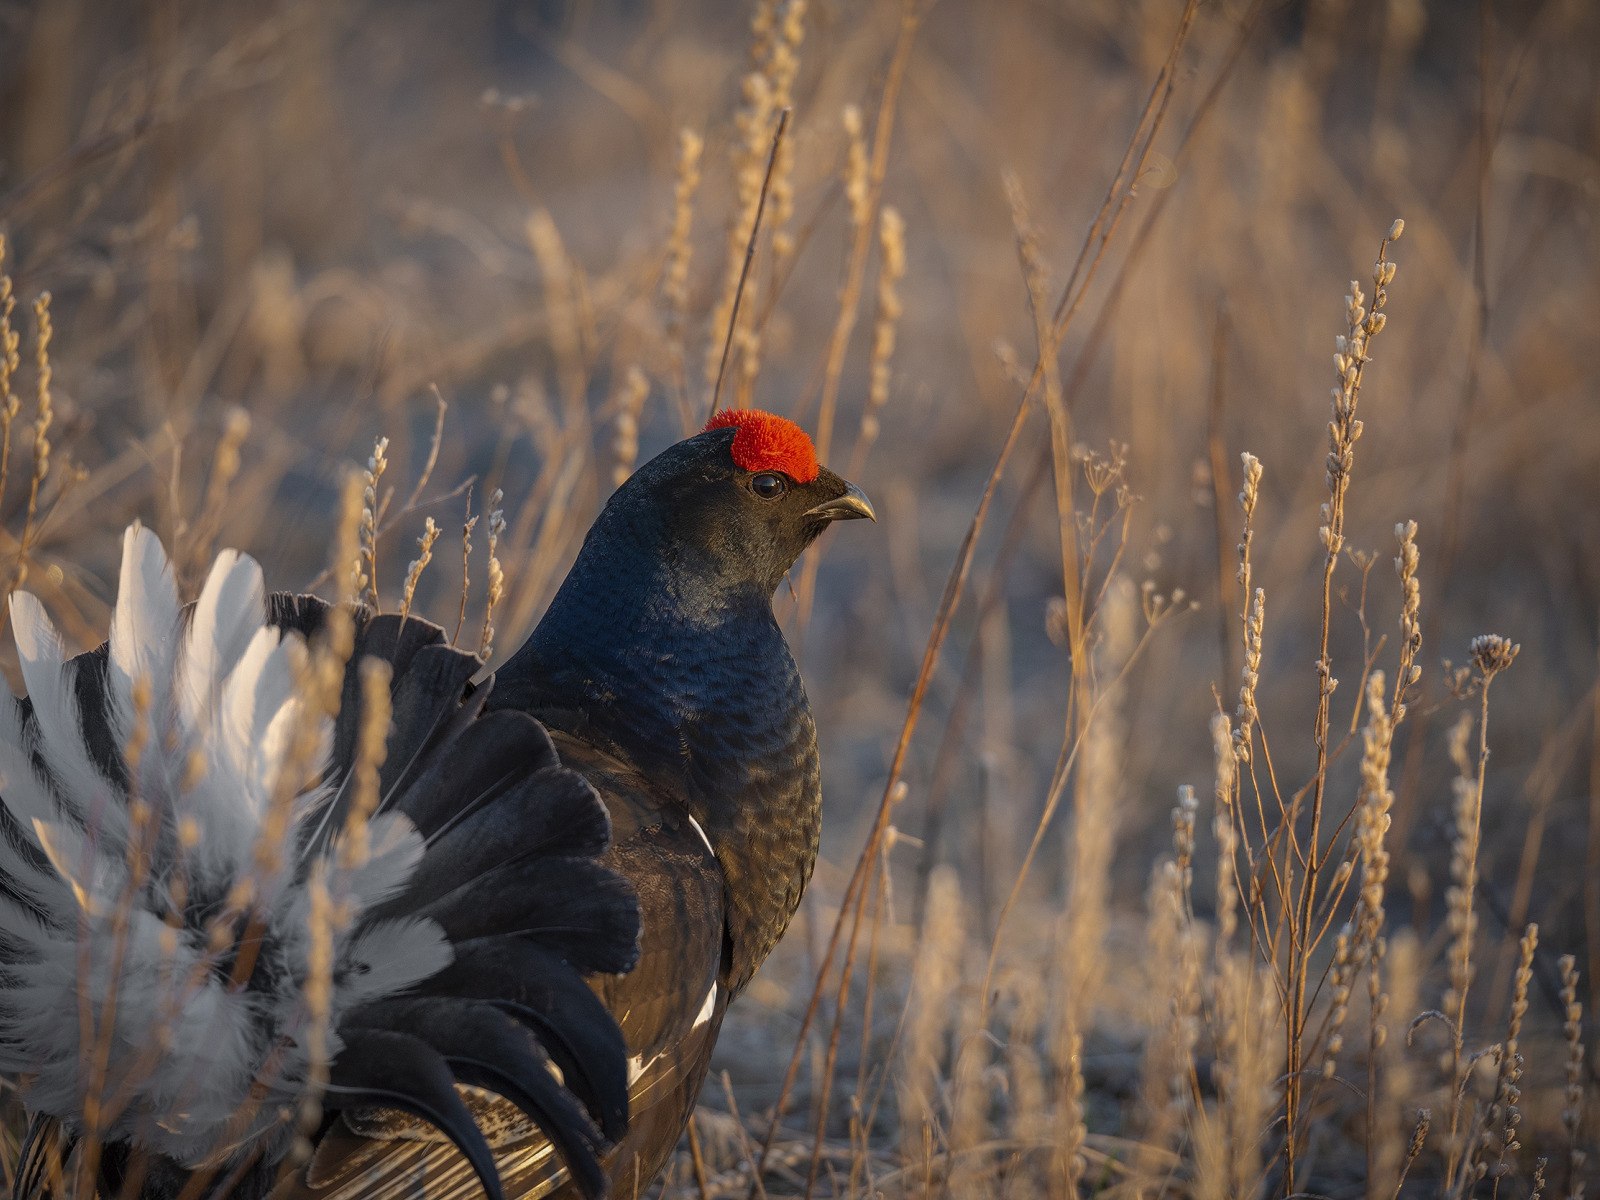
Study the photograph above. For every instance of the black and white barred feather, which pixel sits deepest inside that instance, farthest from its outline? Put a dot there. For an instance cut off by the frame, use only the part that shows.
(136, 787)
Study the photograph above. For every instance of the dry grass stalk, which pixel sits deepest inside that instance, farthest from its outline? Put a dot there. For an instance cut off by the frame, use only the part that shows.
(10, 361)
(935, 977)
(45, 415)
(629, 405)
(494, 590)
(968, 1174)
(1389, 1119)
(1104, 474)
(1491, 654)
(468, 524)
(1572, 1107)
(372, 737)
(861, 1117)
(329, 914)
(892, 250)
(319, 686)
(1167, 1070)
(783, 65)
(857, 189)
(911, 13)
(366, 584)
(225, 463)
(1409, 674)
(322, 923)
(1225, 829)
(1344, 430)
(1254, 616)
(1504, 1114)
(430, 535)
(1228, 1142)
(1341, 982)
(1419, 1139)
(1462, 921)
(1250, 676)
(1372, 828)
(749, 343)
(858, 913)
(772, 71)
(1027, 1084)
(1066, 1153)
(1097, 803)
(564, 312)
(675, 277)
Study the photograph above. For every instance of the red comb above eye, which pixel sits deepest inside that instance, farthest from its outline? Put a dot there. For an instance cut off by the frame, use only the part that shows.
(768, 443)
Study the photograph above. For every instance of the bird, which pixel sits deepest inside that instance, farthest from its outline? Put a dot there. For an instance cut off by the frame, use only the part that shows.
(657, 732)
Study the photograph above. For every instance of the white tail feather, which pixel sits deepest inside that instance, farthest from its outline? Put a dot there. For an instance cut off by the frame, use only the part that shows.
(118, 927)
(50, 682)
(144, 626)
(220, 633)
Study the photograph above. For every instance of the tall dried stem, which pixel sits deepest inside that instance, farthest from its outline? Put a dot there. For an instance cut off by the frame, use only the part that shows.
(1491, 654)
(1344, 430)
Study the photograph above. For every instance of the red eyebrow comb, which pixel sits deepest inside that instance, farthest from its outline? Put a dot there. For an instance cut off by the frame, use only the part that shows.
(765, 442)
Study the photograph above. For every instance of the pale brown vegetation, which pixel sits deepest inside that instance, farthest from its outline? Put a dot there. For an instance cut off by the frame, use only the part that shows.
(1057, 285)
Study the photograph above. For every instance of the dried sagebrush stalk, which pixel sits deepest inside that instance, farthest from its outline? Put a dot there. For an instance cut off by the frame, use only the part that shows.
(625, 425)
(935, 978)
(496, 586)
(430, 535)
(10, 361)
(44, 330)
(1572, 1107)
(675, 276)
(366, 579)
(892, 245)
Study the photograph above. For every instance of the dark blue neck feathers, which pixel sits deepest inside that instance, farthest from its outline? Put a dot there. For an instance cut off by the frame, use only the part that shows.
(651, 651)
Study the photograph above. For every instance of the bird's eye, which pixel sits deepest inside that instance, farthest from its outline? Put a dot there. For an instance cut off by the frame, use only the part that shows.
(769, 485)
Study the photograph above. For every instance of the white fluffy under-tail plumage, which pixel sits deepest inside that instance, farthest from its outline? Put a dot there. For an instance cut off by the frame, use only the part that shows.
(183, 936)
(126, 840)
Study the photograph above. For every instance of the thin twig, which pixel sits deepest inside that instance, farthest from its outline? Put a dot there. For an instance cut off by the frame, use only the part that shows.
(433, 451)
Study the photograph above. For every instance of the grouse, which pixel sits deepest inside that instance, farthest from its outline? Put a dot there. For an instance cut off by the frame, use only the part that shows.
(572, 868)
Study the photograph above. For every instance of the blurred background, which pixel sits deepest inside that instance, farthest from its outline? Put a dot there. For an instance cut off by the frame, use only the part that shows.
(273, 232)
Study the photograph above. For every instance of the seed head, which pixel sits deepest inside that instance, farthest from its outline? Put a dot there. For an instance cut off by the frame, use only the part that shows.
(1492, 654)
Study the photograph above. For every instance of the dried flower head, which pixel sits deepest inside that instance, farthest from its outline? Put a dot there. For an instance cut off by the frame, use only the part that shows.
(1492, 654)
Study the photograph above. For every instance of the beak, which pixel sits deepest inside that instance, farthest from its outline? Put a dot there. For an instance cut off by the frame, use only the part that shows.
(848, 507)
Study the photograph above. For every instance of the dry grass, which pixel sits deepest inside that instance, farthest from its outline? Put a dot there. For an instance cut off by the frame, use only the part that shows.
(1037, 277)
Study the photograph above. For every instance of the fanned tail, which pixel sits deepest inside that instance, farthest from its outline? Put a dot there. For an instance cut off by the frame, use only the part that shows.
(182, 921)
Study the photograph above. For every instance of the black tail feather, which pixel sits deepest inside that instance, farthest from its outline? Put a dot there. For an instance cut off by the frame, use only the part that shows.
(383, 1068)
(426, 697)
(510, 873)
(554, 812)
(571, 906)
(487, 1048)
(486, 756)
(576, 1030)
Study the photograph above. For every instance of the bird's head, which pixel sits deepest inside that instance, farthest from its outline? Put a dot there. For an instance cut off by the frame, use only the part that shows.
(740, 501)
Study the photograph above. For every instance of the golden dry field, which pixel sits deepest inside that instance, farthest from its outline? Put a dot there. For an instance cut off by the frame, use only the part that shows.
(1211, 722)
